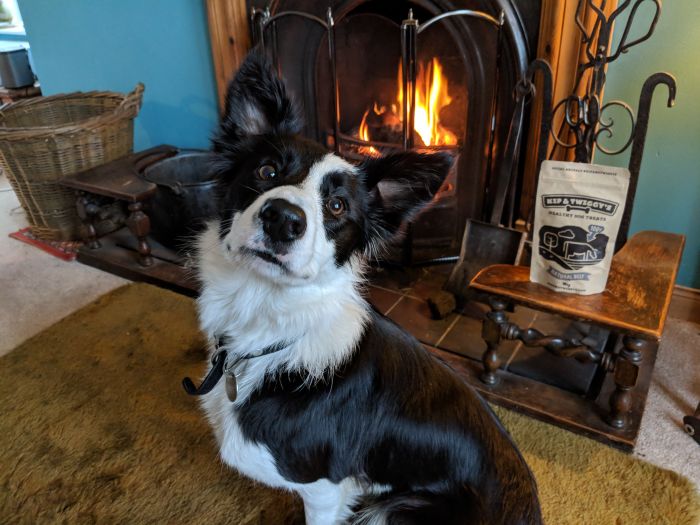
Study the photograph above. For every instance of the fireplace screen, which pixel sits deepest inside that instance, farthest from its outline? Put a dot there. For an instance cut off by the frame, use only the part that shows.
(376, 77)
(381, 108)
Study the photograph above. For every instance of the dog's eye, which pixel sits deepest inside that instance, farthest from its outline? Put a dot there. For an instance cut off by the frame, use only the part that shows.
(267, 172)
(336, 206)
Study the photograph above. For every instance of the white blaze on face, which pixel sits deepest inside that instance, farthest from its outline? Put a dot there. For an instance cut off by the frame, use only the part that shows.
(307, 256)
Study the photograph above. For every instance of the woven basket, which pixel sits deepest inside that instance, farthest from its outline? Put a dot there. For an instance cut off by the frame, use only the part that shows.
(44, 139)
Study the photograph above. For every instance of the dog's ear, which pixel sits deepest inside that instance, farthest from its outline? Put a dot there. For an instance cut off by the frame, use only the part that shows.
(256, 103)
(400, 185)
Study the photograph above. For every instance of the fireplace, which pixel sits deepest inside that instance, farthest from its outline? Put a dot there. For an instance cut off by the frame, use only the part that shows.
(374, 77)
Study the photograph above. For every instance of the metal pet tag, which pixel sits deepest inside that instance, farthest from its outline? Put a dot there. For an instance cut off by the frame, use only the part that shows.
(231, 386)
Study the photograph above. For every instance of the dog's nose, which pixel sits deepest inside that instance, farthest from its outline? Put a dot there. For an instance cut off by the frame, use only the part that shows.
(282, 221)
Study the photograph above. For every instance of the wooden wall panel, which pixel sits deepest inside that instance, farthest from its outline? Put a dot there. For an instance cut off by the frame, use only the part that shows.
(229, 35)
(685, 304)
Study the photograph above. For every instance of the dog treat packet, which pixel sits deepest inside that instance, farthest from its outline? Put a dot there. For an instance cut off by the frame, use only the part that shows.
(578, 210)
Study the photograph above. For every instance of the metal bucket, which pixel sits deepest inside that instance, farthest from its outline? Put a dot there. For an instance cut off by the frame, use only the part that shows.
(185, 198)
(15, 71)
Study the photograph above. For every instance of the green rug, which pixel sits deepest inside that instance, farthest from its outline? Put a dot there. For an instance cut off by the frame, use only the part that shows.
(97, 429)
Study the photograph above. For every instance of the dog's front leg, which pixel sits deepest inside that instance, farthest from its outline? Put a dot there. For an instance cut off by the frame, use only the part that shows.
(326, 503)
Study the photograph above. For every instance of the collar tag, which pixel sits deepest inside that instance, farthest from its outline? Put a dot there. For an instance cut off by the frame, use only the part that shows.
(231, 383)
(231, 387)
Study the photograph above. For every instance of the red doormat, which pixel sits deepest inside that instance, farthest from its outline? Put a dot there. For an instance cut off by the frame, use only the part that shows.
(66, 250)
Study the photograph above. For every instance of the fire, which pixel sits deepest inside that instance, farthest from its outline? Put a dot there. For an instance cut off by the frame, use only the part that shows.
(364, 132)
(431, 96)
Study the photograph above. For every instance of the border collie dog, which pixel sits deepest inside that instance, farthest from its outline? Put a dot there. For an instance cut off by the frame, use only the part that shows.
(328, 398)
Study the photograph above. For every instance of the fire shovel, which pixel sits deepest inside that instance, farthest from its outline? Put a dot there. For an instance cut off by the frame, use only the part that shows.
(486, 243)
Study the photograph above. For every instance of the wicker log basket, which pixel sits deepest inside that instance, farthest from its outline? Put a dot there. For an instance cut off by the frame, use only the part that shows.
(46, 138)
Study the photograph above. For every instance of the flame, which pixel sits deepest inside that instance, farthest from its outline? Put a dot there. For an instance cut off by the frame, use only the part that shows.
(364, 135)
(431, 97)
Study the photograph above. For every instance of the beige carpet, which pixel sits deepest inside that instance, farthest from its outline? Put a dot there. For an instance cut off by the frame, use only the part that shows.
(674, 393)
(96, 429)
(56, 287)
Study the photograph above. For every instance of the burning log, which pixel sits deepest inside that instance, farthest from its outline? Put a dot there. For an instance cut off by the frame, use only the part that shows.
(385, 126)
(453, 115)
(435, 111)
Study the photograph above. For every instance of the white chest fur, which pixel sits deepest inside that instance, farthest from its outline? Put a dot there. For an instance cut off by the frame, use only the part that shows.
(324, 319)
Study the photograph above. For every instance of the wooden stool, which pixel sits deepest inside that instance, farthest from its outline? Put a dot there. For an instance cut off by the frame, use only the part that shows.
(633, 307)
(120, 180)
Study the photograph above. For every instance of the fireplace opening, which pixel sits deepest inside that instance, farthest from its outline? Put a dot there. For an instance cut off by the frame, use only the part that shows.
(372, 96)
(434, 121)
(375, 77)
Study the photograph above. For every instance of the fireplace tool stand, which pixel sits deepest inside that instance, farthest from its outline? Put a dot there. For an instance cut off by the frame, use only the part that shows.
(628, 330)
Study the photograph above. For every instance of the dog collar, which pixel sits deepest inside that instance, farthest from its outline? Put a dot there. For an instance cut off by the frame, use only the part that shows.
(223, 365)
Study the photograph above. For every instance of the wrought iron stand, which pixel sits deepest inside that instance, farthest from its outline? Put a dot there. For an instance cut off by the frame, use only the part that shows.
(584, 118)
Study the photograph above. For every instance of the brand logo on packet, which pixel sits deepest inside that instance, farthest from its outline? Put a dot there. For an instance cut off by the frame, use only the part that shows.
(572, 247)
(579, 202)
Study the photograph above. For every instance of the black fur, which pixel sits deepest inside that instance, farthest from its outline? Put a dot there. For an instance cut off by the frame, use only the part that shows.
(258, 92)
(412, 178)
(392, 415)
(236, 166)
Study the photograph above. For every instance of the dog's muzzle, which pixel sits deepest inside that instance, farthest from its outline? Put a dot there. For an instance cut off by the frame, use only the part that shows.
(282, 221)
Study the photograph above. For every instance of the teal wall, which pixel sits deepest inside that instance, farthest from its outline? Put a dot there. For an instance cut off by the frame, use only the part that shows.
(80, 45)
(668, 196)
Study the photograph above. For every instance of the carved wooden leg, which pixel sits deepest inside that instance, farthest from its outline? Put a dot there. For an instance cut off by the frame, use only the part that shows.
(140, 225)
(491, 333)
(626, 372)
(87, 211)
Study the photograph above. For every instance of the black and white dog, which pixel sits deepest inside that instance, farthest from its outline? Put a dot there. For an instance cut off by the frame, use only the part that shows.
(332, 400)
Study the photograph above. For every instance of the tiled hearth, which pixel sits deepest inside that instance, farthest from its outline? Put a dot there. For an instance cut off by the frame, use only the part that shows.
(401, 295)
